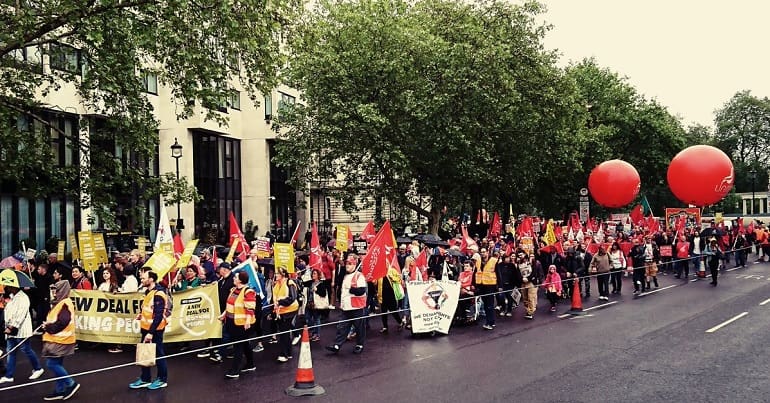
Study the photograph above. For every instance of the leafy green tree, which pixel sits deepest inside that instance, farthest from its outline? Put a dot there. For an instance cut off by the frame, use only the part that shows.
(102, 49)
(743, 128)
(438, 98)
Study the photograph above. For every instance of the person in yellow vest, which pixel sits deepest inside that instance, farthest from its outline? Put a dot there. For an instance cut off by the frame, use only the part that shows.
(239, 317)
(285, 306)
(59, 340)
(352, 304)
(486, 286)
(152, 321)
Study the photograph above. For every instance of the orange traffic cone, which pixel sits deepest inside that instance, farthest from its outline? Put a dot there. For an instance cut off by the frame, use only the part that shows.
(304, 384)
(577, 301)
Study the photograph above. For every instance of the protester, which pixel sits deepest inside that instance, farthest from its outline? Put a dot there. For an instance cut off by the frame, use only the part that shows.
(352, 304)
(79, 280)
(317, 300)
(285, 306)
(40, 297)
(617, 266)
(713, 258)
(529, 279)
(507, 273)
(238, 317)
(600, 265)
(390, 292)
(110, 283)
(59, 340)
(152, 321)
(225, 283)
(187, 278)
(486, 285)
(651, 256)
(18, 330)
(552, 286)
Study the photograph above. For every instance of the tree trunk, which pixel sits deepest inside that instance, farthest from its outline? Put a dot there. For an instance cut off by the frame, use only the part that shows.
(434, 220)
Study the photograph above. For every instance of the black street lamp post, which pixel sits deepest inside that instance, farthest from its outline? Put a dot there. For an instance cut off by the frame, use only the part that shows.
(753, 175)
(176, 153)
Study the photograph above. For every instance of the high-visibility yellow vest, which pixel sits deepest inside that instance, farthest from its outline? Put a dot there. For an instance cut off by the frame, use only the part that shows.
(487, 275)
(145, 320)
(237, 309)
(281, 291)
(66, 335)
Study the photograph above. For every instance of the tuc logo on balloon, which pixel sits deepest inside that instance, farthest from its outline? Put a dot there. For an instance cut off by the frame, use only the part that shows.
(699, 175)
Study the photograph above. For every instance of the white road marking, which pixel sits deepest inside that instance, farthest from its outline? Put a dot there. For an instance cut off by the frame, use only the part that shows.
(734, 268)
(764, 302)
(562, 316)
(725, 323)
(655, 290)
(694, 280)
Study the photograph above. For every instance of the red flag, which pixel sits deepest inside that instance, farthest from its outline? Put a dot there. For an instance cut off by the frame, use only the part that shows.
(235, 232)
(350, 239)
(374, 265)
(637, 215)
(368, 233)
(495, 227)
(680, 223)
(574, 221)
(653, 225)
(740, 226)
(295, 236)
(394, 263)
(559, 248)
(751, 227)
(314, 260)
(525, 228)
(421, 263)
(508, 248)
(178, 244)
(467, 240)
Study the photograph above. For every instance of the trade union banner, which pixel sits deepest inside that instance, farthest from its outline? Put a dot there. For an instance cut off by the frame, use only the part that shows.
(432, 305)
(111, 318)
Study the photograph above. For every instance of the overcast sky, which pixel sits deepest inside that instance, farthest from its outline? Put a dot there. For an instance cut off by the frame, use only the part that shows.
(692, 56)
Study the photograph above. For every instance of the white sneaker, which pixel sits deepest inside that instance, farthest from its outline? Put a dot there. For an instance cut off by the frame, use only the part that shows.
(296, 340)
(36, 373)
(282, 359)
(6, 379)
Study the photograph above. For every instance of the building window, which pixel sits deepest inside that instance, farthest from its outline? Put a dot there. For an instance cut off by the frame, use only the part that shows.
(285, 101)
(235, 100)
(65, 58)
(150, 83)
(217, 176)
(28, 58)
(268, 107)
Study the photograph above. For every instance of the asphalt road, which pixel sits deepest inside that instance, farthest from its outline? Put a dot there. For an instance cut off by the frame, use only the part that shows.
(644, 349)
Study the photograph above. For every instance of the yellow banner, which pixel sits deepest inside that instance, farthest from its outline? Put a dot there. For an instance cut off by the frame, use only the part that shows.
(74, 245)
(719, 218)
(161, 262)
(550, 236)
(233, 247)
(99, 249)
(111, 318)
(87, 252)
(342, 238)
(141, 244)
(189, 248)
(283, 255)
(60, 250)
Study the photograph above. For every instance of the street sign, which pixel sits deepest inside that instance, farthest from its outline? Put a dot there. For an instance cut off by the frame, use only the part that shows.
(584, 209)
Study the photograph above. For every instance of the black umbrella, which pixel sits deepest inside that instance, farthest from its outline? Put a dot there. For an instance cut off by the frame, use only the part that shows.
(403, 239)
(454, 252)
(426, 238)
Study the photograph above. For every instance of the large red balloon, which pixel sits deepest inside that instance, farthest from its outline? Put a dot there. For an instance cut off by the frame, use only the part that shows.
(700, 175)
(614, 183)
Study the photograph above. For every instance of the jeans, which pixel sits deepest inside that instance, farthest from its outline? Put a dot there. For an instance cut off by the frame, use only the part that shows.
(616, 279)
(683, 266)
(740, 257)
(602, 282)
(356, 318)
(54, 364)
(284, 339)
(313, 321)
(26, 349)
(242, 349)
(157, 338)
(488, 299)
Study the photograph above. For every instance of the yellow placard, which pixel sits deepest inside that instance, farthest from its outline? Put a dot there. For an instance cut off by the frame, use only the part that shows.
(283, 255)
(550, 235)
(141, 244)
(161, 262)
(87, 252)
(189, 248)
(342, 238)
(168, 248)
(718, 218)
(74, 246)
(111, 318)
(528, 245)
(60, 250)
(233, 247)
(100, 250)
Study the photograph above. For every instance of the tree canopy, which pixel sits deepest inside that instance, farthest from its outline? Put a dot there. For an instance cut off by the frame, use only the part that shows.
(104, 49)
